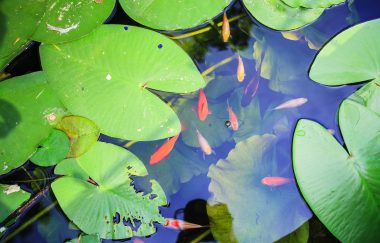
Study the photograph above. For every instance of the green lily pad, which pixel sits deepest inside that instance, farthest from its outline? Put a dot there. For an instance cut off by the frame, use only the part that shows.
(107, 203)
(83, 238)
(338, 61)
(221, 223)
(312, 3)
(28, 109)
(52, 150)
(342, 187)
(277, 15)
(83, 133)
(301, 235)
(19, 19)
(106, 75)
(11, 197)
(172, 14)
(260, 213)
(66, 20)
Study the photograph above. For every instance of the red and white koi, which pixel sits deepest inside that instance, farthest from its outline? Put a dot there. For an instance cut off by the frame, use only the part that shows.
(202, 110)
(207, 150)
(291, 103)
(275, 181)
(178, 224)
(163, 151)
(240, 72)
(232, 118)
(225, 28)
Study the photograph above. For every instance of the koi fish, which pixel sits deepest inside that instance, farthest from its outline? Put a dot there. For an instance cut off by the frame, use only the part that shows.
(275, 181)
(163, 151)
(225, 28)
(232, 117)
(203, 144)
(291, 103)
(202, 106)
(178, 224)
(240, 73)
(137, 240)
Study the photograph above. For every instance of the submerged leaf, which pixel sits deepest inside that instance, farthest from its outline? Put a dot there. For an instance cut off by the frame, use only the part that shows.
(342, 187)
(260, 213)
(28, 109)
(52, 150)
(221, 223)
(301, 235)
(83, 133)
(11, 197)
(173, 14)
(105, 202)
(107, 77)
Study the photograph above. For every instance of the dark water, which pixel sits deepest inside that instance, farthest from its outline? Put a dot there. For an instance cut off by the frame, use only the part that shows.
(183, 174)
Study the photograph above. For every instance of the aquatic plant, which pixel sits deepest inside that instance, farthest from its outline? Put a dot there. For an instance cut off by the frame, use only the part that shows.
(341, 185)
(11, 197)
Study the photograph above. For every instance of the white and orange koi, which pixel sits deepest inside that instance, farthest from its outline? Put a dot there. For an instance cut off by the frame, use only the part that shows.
(225, 28)
(240, 72)
(178, 224)
(232, 117)
(291, 103)
(207, 150)
(275, 181)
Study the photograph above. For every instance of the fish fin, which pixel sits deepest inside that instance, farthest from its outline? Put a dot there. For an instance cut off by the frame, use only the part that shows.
(209, 112)
(213, 152)
(204, 156)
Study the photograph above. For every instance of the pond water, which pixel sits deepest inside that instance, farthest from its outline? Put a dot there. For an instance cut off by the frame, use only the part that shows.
(275, 72)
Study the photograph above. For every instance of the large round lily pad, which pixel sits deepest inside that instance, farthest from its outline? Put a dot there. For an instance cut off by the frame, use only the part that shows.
(11, 197)
(67, 20)
(350, 57)
(173, 14)
(107, 75)
(342, 187)
(260, 213)
(312, 3)
(18, 20)
(277, 15)
(98, 195)
(28, 108)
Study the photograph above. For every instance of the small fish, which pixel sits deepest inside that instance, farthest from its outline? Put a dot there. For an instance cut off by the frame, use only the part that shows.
(202, 106)
(225, 28)
(137, 240)
(204, 144)
(240, 72)
(275, 181)
(163, 151)
(178, 224)
(291, 103)
(232, 118)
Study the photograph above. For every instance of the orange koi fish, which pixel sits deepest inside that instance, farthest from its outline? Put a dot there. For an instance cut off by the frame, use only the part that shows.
(202, 106)
(137, 240)
(291, 103)
(178, 224)
(225, 28)
(204, 144)
(232, 117)
(240, 73)
(163, 151)
(275, 181)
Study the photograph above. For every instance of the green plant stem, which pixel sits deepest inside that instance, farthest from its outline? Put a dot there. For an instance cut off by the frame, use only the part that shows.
(201, 236)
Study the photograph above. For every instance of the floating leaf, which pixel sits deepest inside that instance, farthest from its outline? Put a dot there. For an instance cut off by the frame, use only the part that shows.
(66, 20)
(260, 213)
(52, 150)
(83, 133)
(342, 187)
(107, 203)
(301, 235)
(337, 63)
(19, 19)
(11, 197)
(312, 3)
(28, 108)
(106, 75)
(221, 223)
(277, 15)
(83, 238)
(172, 14)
